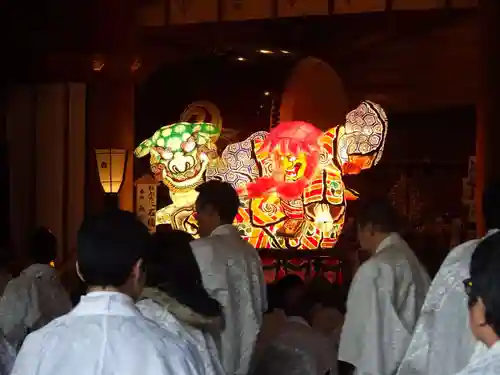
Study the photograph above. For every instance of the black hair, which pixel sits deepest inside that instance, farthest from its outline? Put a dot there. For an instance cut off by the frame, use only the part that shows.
(380, 214)
(43, 246)
(281, 288)
(485, 278)
(221, 196)
(303, 307)
(271, 298)
(172, 267)
(108, 247)
(328, 294)
(491, 205)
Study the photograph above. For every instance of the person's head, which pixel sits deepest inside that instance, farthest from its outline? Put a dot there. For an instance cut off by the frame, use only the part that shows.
(217, 204)
(170, 259)
(376, 219)
(305, 307)
(42, 246)
(491, 205)
(483, 290)
(110, 252)
(172, 268)
(328, 294)
(287, 291)
(271, 298)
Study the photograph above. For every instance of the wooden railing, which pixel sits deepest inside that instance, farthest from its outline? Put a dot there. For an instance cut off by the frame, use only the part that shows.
(307, 264)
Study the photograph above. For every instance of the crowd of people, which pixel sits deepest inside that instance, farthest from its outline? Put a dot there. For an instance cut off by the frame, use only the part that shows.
(167, 304)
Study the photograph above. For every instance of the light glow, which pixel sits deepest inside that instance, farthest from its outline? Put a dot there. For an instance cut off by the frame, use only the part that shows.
(289, 180)
(241, 59)
(111, 165)
(266, 51)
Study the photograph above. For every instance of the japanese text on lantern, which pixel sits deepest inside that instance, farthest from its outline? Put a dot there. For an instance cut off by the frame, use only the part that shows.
(146, 203)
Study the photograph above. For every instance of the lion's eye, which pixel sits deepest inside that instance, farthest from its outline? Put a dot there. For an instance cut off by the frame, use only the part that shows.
(189, 145)
(167, 155)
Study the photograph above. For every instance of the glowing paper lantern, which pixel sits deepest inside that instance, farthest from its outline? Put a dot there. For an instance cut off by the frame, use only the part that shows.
(111, 164)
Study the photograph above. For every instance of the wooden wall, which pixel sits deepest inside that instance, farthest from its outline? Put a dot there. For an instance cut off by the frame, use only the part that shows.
(160, 13)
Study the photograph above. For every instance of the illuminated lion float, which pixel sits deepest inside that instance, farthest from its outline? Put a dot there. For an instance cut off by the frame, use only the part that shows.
(289, 180)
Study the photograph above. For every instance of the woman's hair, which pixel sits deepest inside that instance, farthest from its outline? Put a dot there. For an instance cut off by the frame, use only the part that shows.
(485, 277)
(172, 268)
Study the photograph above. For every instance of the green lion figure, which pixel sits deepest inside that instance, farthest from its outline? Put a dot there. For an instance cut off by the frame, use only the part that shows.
(180, 154)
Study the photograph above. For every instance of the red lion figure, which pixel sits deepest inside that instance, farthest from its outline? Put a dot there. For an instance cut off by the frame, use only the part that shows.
(293, 148)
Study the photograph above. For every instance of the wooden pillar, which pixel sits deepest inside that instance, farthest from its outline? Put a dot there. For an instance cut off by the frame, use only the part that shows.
(488, 115)
(110, 120)
(4, 172)
(110, 105)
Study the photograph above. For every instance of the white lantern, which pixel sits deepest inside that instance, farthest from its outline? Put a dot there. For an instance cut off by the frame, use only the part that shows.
(111, 164)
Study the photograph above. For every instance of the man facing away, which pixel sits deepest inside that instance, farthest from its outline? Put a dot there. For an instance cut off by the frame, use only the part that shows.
(298, 348)
(442, 342)
(105, 334)
(35, 297)
(385, 296)
(232, 273)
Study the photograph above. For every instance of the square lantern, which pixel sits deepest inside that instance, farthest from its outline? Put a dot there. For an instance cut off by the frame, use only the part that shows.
(111, 164)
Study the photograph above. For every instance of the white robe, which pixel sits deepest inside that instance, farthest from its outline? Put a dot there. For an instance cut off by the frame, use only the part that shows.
(5, 277)
(297, 350)
(232, 273)
(384, 301)
(180, 320)
(442, 342)
(105, 334)
(488, 363)
(30, 301)
(7, 356)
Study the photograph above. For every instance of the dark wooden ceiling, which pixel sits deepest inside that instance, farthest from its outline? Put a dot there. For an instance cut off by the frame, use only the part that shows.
(406, 60)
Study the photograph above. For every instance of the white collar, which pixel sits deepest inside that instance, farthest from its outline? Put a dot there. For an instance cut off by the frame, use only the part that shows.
(298, 319)
(225, 229)
(495, 347)
(112, 303)
(492, 351)
(39, 270)
(491, 232)
(392, 239)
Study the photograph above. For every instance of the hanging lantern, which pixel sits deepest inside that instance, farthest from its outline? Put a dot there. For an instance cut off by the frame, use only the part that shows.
(111, 164)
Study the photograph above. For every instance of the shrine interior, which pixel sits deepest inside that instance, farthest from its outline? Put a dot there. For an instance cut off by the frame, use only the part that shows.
(112, 83)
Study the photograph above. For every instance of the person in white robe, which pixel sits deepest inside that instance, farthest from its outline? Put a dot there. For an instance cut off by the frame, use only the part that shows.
(36, 296)
(442, 342)
(483, 300)
(385, 296)
(105, 333)
(232, 273)
(7, 356)
(298, 349)
(176, 299)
